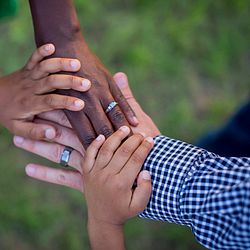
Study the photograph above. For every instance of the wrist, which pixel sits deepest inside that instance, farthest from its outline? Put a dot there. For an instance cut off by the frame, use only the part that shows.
(103, 235)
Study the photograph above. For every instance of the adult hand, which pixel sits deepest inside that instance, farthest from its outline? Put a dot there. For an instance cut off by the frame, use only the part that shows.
(49, 17)
(29, 91)
(66, 137)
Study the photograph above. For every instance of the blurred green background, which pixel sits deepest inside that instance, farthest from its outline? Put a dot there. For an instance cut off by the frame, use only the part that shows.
(188, 64)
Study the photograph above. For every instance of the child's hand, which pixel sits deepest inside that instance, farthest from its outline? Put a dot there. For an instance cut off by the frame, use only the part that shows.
(109, 178)
(26, 93)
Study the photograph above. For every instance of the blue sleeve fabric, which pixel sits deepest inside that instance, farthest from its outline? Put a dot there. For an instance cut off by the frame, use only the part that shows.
(199, 189)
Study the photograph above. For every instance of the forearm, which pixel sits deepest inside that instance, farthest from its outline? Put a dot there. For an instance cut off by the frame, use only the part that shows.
(104, 236)
(194, 187)
(55, 21)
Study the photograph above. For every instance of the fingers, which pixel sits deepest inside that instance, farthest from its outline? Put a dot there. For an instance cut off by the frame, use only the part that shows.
(115, 116)
(121, 80)
(50, 102)
(110, 146)
(50, 151)
(135, 162)
(55, 116)
(54, 65)
(34, 131)
(124, 152)
(99, 119)
(68, 178)
(142, 192)
(64, 136)
(54, 82)
(82, 126)
(39, 54)
(92, 152)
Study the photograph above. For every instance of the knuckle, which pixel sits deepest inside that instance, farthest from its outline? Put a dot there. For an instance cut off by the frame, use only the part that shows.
(42, 65)
(73, 81)
(88, 139)
(61, 179)
(125, 150)
(62, 63)
(119, 185)
(66, 102)
(117, 116)
(51, 80)
(106, 149)
(106, 131)
(137, 158)
(146, 146)
(48, 99)
(35, 133)
(56, 153)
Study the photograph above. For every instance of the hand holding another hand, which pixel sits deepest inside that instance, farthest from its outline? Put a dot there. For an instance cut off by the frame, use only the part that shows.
(27, 93)
(66, 137)
(110, 170)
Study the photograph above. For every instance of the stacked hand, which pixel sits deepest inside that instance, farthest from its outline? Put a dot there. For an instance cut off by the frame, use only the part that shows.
(66, 137)
(110, 170)
(27, 93)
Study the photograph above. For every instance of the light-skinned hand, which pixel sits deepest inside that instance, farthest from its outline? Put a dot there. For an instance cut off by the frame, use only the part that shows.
(29, 91)
(66, 137)
(112, 191)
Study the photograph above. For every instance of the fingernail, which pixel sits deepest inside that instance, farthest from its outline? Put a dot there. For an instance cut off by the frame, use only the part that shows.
(18, 140)
(125, 129)
(85, 83)
(78, 103)
(146, 175)
(121, 82)
(135, 120)
(50, 133)
(149, 139)
(99, 138)
(30, 170)
(74, 64)
(48, 47)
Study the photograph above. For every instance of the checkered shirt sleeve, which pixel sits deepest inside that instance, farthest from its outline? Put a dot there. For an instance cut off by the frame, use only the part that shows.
(206, 192)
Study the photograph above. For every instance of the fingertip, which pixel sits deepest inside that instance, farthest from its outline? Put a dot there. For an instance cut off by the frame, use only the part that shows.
(125, 129)
(49, 49)
(50, 133)
(146, 175)
(85, 84)
(75, 64)
(18, 140)
(100, 138)
(121, 79)
(79, 104)
(30, 169)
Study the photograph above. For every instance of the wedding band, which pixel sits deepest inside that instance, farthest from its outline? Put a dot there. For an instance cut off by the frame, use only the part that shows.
(110, 106)
(65, 156)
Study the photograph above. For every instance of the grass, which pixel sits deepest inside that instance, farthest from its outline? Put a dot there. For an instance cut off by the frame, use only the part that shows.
(188, 65)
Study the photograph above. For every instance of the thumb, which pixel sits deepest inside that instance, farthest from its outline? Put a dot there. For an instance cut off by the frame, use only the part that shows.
(121, 81)
(141, 193)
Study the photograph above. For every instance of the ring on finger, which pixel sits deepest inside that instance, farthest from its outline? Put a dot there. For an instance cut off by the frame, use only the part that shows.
(65, 156)
(111, 106)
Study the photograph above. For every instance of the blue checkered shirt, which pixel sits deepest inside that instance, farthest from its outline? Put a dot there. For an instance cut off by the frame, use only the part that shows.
(206, 192)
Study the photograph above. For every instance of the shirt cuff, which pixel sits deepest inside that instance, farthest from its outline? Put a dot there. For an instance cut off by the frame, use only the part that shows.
(170, 163)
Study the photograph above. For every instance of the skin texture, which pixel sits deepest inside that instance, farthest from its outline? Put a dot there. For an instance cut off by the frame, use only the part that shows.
(110, 169)
(28, 92)
(56, 21)
(66, 136)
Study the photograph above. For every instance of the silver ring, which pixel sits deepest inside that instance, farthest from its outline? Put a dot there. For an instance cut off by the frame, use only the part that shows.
(65, 156)
(110, 106)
